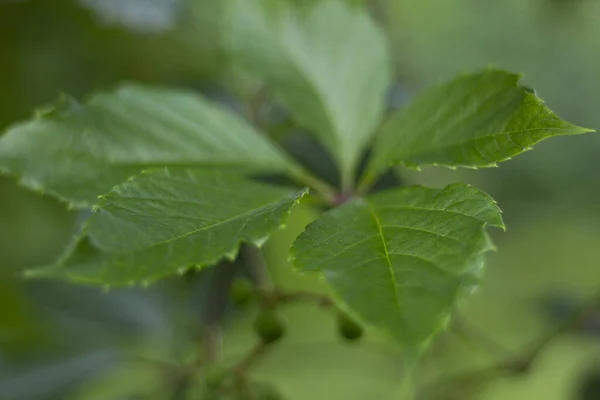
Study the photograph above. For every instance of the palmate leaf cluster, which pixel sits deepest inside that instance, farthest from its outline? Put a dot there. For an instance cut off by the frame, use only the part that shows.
(170, 177)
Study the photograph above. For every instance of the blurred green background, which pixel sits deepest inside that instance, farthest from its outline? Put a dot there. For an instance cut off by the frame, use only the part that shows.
(63, 342)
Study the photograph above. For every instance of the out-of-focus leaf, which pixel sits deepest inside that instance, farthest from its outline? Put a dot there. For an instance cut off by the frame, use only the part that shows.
(141, 16)
(476, 120)
(129, 381)
(77, 152)
(398, 259)
(327, 63)
(48, 379)
(18, 327)
(164, 221)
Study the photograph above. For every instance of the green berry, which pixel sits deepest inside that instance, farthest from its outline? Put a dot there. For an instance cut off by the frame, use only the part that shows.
(348, 328)
(241, 291)
(269, 327)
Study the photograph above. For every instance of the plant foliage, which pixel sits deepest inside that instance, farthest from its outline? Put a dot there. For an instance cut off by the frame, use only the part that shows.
(170, 175)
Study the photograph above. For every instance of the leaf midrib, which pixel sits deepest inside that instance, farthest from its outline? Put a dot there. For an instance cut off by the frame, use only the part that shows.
(386, 253)
(216, 224)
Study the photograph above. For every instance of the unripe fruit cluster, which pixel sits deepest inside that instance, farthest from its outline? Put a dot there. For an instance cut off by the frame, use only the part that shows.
(270, 327)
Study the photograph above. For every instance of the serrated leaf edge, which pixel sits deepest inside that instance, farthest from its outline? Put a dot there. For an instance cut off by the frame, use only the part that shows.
(341, 304)
(41, 272)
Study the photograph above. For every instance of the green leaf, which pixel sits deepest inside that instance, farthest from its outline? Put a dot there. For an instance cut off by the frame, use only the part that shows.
(473, 121)
(327, 63)
(398, 259)
(77, 152)
(164, 221)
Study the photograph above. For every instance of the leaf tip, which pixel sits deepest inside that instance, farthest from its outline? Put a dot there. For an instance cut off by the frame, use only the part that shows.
(492, 247)
(582, 130)
(501, 225)
(260, 242)
(231, 255)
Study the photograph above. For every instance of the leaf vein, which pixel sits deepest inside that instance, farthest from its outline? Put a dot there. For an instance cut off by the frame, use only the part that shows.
(387, 255)
(412, 228)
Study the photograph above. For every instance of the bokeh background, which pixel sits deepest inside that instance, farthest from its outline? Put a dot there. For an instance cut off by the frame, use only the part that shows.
(58, 341)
